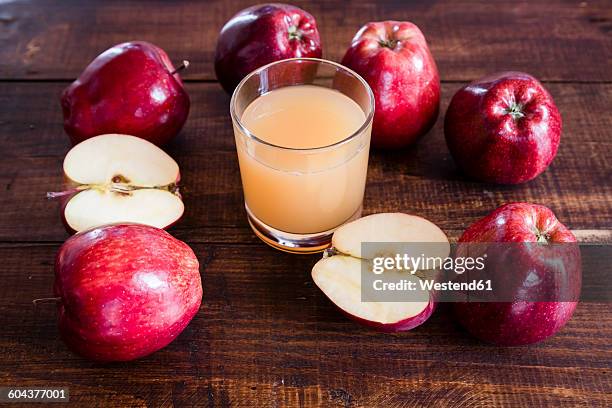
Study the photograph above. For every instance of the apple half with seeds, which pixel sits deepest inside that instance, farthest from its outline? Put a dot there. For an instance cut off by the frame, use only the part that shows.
(338, 274)
(119, 178)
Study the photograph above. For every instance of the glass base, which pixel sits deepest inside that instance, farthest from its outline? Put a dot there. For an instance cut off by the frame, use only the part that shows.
(294, 243)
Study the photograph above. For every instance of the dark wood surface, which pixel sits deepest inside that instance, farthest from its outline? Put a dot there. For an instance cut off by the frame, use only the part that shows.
(554, 40)
(265, 335)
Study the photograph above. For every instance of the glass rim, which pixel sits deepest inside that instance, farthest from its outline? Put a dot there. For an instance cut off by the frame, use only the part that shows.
(368, 120)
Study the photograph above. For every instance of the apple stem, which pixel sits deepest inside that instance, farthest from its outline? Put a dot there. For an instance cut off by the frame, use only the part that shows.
(330, 252)
(119, 188)
(515, 110)
(391, 44)
(294, 33)
(56, 194)
(127, 188)
(184, 65)
(47, 300)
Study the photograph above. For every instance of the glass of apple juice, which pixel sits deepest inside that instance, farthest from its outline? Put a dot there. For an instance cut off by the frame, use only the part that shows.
(302, 129)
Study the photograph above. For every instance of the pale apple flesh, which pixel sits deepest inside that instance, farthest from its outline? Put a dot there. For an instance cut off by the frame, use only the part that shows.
(120, 178)
(395, 229)
(339, 276)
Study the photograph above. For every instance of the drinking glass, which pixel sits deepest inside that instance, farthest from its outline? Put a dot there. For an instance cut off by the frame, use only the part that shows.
(296, 197)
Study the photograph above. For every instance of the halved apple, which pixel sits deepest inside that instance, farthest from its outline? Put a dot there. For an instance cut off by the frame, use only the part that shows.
(395, 229)
(339, 273)
(120, 178)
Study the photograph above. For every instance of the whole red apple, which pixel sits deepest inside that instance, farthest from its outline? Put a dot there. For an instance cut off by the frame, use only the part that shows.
(536, 269)
(393, 57)
(131, 88)
(126, 291)
(504, 128)
(262, 34)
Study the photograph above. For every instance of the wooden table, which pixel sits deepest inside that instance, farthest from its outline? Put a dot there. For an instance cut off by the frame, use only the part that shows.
(265, 335)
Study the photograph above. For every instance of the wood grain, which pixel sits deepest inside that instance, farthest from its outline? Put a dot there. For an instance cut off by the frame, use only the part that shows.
(556, 40)
(421, 180)
(266, 336)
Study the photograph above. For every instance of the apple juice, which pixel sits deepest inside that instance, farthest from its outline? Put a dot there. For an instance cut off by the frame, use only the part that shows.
(305, 174)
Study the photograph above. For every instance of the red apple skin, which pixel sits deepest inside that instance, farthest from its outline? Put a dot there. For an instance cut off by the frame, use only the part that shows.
(521, 322)
(504, 128)
(262, 34)
(127, 290)
(128, 89)
(400, 326)
(393, 57)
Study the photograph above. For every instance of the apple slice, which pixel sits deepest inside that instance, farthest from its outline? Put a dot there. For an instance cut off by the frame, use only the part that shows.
(339, 273)
(119, 178)
(395, 229)
(339, 277)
